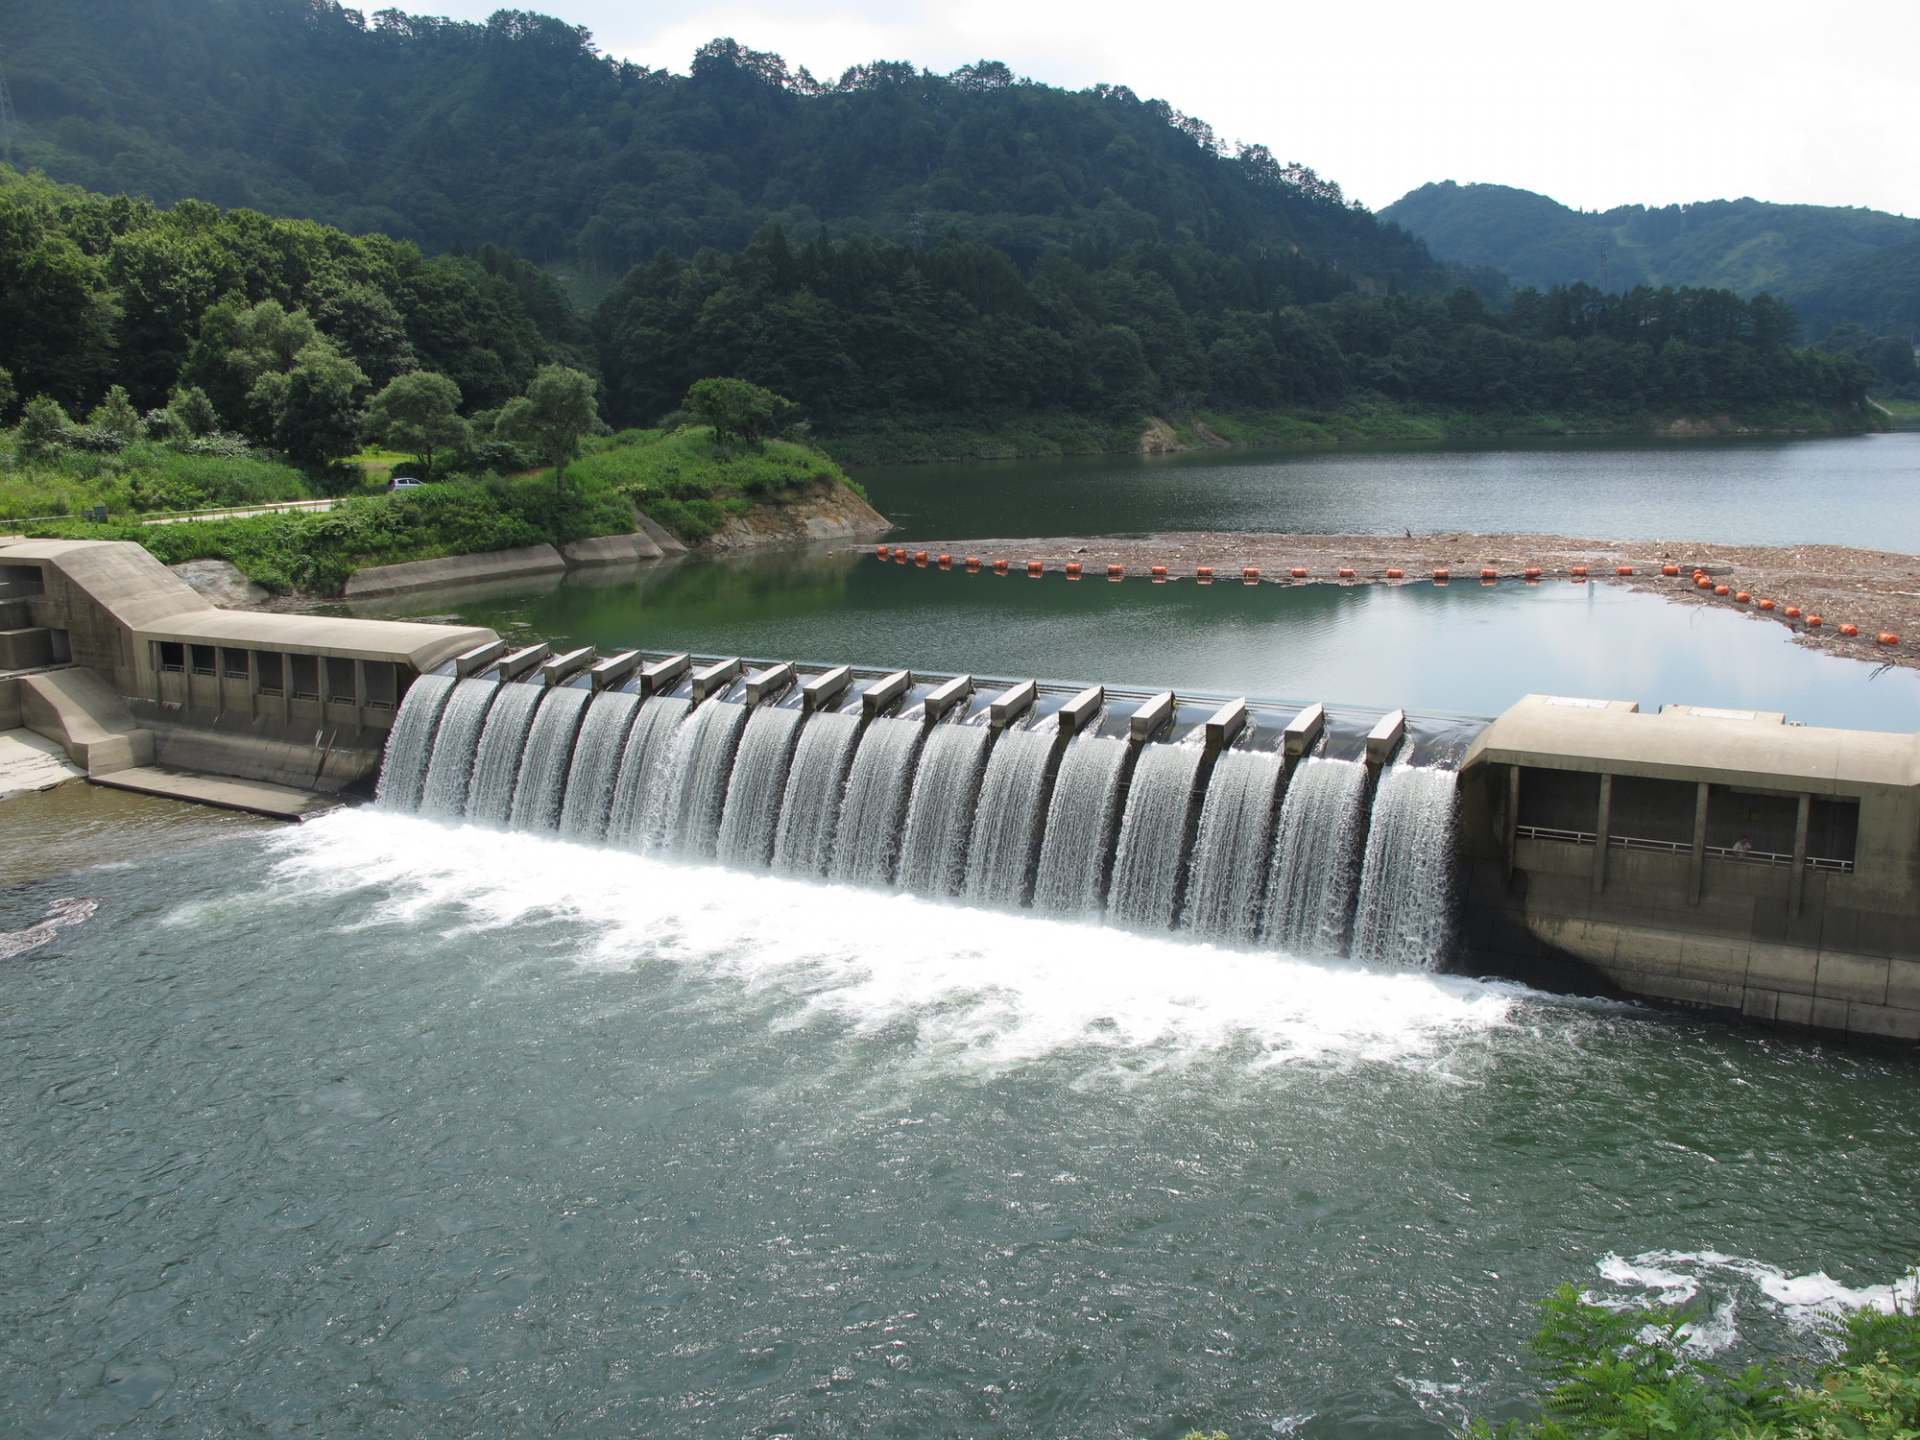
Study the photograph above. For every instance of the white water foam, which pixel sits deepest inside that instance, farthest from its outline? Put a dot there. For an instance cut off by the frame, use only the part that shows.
(979, 989)
(1807, 1302)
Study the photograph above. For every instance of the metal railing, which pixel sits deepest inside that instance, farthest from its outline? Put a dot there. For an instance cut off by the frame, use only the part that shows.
(1677, 847)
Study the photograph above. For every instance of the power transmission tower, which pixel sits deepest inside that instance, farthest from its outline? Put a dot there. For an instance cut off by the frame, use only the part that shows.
(8, 124)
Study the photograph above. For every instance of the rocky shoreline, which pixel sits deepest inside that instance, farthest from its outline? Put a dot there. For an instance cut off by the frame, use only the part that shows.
(1876, 591)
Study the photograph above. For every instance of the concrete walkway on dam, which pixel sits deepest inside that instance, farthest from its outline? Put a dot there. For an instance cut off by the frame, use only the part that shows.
(254, 797)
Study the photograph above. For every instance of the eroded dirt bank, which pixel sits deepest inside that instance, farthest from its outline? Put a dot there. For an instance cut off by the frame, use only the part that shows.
(1875, 591)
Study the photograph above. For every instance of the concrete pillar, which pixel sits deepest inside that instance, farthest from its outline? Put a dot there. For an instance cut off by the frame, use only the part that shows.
(360, 694)
(1512, 825)
(1602, 824)
(1799, 854)
(1697, 866)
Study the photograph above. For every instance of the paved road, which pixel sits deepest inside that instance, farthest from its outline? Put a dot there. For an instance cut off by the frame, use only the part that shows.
(242, 512)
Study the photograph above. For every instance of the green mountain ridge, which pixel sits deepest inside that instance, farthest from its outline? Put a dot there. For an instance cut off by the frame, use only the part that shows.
(1835, 265)
(518, 132)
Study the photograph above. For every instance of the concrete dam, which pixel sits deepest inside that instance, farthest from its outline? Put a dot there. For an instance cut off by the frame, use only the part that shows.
(1708, 858)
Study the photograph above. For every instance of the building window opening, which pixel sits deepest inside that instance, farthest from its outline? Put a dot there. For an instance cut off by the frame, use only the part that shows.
(340, 687)
(233, 663)
(382, 685)
(306, 676)
(269, 666)
(203, 660)
(173, 656)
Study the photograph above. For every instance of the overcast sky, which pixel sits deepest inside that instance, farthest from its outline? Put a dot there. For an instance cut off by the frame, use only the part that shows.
(1594, 104)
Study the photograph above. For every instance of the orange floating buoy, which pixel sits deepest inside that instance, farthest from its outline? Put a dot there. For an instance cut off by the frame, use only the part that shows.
(1623, 569)
(1249, 574)
(973, 563)
(1114, 572)
(1203, 573)
(883, 550)
(1396, 574)
(1487, 572)
(1887, 637)
(1849, 630)
(1578, 572)
(999, 567)
(1298, 572)
(1720, 590)
(1765, 604)
(1159, 574)
(1531, 573)
(920, 558)
(1669, 570)
(1793, 612)
(1814, 622)
(1703, 582)
(1035, 569)
(1741, 597)
(1440, 577)
(899, 557)
(946, 562)
(1345, 572)
(1073, 569)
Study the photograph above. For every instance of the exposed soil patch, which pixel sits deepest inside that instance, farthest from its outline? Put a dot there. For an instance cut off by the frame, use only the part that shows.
(1874, 590)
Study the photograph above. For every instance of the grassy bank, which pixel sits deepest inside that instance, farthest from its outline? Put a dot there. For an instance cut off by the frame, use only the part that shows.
(1358, 422)
(682, 480)
(146, 477)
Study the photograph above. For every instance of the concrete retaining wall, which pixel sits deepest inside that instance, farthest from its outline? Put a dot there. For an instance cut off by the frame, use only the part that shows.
(455, 570)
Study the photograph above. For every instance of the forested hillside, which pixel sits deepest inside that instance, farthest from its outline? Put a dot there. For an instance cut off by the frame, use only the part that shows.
(1834, 266)
(517, 132)
(98, 290)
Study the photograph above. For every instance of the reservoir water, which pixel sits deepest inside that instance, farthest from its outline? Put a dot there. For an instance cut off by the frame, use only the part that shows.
(1458, 649)
(1856, 491)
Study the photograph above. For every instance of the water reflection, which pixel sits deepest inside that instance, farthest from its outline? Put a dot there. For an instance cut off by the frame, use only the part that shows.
(1458, 649)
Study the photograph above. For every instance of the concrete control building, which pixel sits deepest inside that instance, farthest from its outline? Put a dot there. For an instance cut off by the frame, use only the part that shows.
(156, 675)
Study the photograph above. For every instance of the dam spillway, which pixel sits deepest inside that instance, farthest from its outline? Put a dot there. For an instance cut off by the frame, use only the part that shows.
(1019, 802)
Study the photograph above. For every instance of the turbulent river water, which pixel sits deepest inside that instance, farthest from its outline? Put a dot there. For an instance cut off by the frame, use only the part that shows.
(381, 1125)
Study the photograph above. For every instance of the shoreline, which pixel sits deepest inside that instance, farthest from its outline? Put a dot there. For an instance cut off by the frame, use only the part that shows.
(936, 440)
(1874, 590)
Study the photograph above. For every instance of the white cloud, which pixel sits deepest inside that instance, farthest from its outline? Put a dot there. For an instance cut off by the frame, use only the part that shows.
(1649, 101)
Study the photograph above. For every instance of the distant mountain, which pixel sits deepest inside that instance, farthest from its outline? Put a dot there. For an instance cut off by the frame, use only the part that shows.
(518, 132)
(1834, 265)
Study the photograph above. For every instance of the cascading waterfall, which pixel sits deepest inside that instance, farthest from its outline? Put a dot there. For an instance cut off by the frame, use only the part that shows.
(867, 839)
(810, 809)
(450, 769)
(642, 762)
(1236, 826)
(1001, 859)
(549, 755)
(933, 852)
(503, 744)
(954, 807)
(1079, 826)
(1405, 916)
(596, 764)
(1146, 865)
(1316, 844)
(751, 819)
(683, 813)
(403, 770)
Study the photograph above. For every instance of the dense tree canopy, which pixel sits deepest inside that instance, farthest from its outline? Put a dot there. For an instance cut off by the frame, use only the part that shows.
(859, 329)
(1835, 265)
(518, 132)
(96, 290)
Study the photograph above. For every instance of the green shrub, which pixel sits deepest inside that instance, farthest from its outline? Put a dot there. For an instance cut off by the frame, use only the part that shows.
(1626, 1375)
